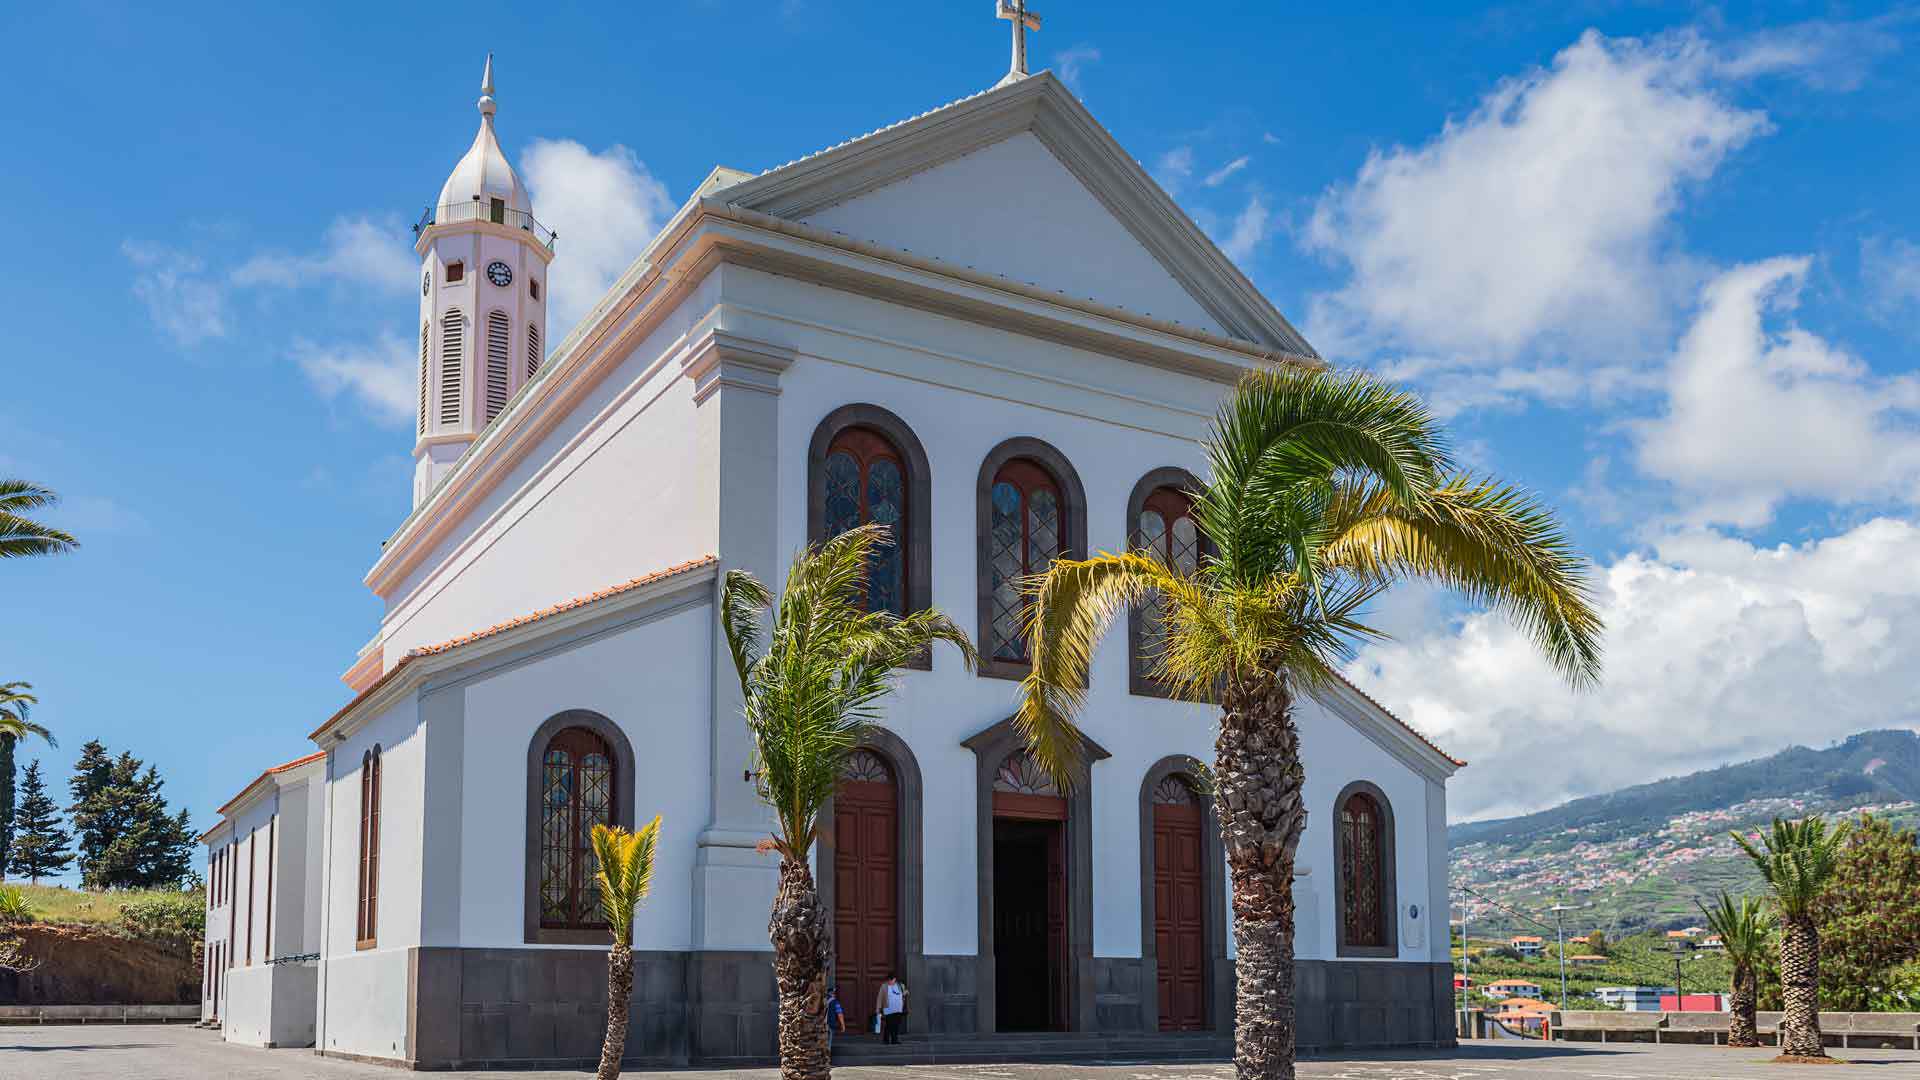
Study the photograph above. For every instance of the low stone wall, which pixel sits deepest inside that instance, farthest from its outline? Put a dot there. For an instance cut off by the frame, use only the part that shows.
(99, 1014)
(1893, 1031)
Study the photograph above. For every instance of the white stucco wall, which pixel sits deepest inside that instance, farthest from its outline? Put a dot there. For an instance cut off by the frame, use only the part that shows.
(606, 497)
(1011, 208)
(651, 679)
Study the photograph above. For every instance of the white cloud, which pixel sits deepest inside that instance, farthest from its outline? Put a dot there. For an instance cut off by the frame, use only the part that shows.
(604, 207)
(1755, 416)
(1073, 63)
(1219, 176)
(1174, 168)
(1250, 230)
(1890, 268)
(186, 304)
(1716, 650)
(1541, 215)
(379, 376)
(356, 250)
(1822, 54)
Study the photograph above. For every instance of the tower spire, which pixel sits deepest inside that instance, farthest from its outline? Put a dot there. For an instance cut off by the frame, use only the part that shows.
(486, 90)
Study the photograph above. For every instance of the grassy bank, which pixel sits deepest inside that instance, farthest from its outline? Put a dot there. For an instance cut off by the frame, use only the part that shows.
(54, 904)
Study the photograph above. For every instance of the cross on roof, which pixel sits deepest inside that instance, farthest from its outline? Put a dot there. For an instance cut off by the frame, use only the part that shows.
(1023, 20)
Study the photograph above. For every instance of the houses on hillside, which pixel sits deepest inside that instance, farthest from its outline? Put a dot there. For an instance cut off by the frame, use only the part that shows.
(1527, 945)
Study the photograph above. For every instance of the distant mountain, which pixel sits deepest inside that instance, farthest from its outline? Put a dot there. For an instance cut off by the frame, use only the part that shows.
(1638, 858)
(1874, 766)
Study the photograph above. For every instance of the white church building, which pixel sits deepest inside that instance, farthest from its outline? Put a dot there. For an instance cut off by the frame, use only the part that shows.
(985, 325)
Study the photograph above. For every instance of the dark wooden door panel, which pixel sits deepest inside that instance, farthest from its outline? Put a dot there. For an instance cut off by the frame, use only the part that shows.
(1179, 916)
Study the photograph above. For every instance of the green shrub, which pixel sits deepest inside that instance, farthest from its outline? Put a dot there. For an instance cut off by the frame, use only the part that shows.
(14, 907)
(177, 919)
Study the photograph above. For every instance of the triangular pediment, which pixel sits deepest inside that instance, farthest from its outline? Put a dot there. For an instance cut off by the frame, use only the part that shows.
(1022, 183)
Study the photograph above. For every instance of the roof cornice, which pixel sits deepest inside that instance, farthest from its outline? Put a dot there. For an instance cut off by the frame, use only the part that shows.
(1042, 105)
(709, 232)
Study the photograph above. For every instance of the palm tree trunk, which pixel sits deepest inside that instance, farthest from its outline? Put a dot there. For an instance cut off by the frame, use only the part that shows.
(1742, 1030)
(619, 1001)
(1259, 780)
(1800, 988)
(801, 955)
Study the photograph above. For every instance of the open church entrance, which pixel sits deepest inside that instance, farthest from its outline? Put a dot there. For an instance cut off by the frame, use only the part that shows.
(1029, 901)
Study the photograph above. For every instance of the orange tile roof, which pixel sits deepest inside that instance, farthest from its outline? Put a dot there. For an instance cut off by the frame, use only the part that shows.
(1411, 730)
(500, 628)
(256, 781)
(1522, 937)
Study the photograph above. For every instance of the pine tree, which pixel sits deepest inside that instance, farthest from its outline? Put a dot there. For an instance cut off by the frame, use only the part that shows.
(40, 843)
(127, 839)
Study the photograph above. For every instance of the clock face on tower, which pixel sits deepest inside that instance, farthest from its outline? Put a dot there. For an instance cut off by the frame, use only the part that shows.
(500, 274)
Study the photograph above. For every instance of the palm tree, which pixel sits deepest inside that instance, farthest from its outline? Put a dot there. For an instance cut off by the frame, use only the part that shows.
(21, 536)
(1798, 860)
(1325, 489)
(1746, 929)
(16, 703)
(624, 876)
(810, 697)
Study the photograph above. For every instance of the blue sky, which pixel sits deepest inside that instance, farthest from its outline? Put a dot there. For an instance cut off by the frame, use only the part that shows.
(1660, 262)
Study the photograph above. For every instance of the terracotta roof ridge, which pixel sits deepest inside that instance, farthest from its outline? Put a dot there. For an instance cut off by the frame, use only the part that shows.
(511, 624)
(1411, 730)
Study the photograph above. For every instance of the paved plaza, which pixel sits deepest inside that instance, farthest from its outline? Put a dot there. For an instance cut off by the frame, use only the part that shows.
(180, 1053)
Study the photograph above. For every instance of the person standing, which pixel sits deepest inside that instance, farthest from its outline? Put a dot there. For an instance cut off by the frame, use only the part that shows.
(836, 1014)
(891, 1004)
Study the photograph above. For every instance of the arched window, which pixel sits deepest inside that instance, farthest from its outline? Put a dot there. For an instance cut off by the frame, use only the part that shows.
(499, 344)
(866, 481)
(1363, 868)
(1159, 520)
(1032, 511)
(1025, 537)
(453, 336)
(576, 793)
(367, 921)
(865, 464)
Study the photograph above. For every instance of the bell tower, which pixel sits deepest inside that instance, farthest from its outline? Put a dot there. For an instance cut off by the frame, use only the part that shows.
(483, 301)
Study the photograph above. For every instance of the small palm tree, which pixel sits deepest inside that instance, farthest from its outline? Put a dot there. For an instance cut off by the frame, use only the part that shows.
(1746, 928)
(21, 536)
(624, 877)
(1798, 859)
(1325, 490)
(811, 696)
(16, 704)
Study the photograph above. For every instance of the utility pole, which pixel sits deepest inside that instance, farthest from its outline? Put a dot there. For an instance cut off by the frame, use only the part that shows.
(1560, 932)
(1679, 991)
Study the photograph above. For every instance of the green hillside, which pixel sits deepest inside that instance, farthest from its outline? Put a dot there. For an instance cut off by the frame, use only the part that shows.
(1639, 858)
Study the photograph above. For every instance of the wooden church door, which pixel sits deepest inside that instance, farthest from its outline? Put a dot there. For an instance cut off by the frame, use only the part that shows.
(866, 830)
(1179, 906)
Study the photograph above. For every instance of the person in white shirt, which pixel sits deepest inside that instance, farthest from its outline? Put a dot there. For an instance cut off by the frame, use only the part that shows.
(891, 1004)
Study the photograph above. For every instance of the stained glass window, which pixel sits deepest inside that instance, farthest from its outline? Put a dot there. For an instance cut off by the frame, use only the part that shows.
(865, 482)
(1165, 528)
(367, 914)
(1024, 537)
(576, 793)
(1361, 881)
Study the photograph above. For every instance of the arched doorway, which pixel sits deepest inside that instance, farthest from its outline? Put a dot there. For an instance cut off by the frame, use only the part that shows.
(1179, 905)
(866, 882)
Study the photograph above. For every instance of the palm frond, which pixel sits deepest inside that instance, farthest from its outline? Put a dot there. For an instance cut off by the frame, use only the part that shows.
(21, 536)
(1497, 545)
(1797, 859)
(1070, 607)
(625, 872)
(813, 682)
(1745, 927)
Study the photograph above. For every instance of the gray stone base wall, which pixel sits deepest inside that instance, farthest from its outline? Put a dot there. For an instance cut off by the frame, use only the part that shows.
(535, 1007)
(1345, 1004)
(486, 1008)
(947, 999)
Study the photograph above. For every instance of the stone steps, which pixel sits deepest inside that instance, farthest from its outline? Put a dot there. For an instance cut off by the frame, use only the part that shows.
(1040, 1046)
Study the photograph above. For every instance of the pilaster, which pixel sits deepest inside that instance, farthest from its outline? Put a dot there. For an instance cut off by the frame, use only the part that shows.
(736, 393)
